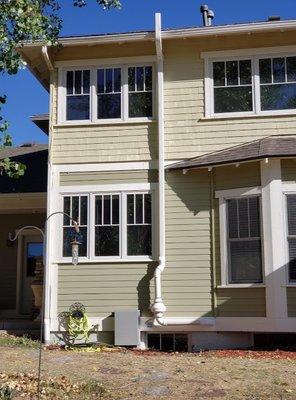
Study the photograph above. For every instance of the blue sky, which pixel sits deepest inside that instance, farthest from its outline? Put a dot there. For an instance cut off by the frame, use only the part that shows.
(27, 97)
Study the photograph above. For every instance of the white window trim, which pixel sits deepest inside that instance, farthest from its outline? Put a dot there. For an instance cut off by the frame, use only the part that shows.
(251, 54)
(224, 195)
(124, 65)
(123, 192)
(287, 190)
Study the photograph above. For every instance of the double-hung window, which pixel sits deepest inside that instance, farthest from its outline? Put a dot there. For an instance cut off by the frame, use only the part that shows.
(250, 85)
(113, 225)
(107, 94)
(241, 239)
(291, 220)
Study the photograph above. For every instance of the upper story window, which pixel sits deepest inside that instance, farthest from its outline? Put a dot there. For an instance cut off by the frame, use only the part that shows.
(107, 94)
(78, 95)
(250, 86)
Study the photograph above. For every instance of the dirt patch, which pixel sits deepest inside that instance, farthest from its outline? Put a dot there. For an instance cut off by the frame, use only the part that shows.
(121, 375)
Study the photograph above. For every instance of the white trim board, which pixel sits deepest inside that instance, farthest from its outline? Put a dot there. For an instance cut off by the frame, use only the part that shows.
(123, 187)
(97, 167)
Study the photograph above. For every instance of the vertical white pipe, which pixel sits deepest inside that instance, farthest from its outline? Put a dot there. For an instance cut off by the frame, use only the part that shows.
(158, 307)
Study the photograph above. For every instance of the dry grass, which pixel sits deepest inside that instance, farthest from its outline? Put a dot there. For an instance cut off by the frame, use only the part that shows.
(134, 375)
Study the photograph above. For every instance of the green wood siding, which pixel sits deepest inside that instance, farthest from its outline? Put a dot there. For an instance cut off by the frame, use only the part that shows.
(107, 177)
(245, 302)
(288, 170)
(187, 277)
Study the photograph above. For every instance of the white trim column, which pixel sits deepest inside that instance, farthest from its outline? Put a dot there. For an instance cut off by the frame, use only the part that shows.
(274, 240)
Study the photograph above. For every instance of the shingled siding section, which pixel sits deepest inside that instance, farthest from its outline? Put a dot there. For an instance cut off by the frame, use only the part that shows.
(107, 177)
(187, 132)
(289, 176)
(187, 276)
(229, 302)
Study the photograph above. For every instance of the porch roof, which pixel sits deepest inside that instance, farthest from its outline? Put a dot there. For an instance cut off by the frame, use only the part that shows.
(271, 146)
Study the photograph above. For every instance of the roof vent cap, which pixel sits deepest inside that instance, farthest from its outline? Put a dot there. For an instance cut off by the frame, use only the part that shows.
(273, 18)
(207, 15)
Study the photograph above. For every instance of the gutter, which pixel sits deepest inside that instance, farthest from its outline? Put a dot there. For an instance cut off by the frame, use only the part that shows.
(267, 26)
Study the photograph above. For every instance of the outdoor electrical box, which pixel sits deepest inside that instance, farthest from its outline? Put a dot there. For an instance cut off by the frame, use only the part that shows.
(127, 327)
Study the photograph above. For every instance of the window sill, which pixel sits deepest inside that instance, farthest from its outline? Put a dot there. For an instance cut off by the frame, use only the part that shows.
(107, 260)
(107, 122)
(224, 117)
(241, 286)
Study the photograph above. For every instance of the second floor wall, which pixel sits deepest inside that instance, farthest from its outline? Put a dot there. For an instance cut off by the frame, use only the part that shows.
(191, 125)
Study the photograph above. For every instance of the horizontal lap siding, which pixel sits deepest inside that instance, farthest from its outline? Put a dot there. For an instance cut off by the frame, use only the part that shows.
(113, 143)
(187, 132)
(102, 178)
(187, 276)
(288, 170)
(244, 302)
(104, 288)
(291, 300)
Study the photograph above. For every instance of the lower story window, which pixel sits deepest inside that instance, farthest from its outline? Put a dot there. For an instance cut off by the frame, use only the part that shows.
(112, 224)
(244, 255)
(291, 219)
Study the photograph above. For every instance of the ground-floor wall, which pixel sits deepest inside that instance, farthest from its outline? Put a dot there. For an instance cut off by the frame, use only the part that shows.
(192, 281)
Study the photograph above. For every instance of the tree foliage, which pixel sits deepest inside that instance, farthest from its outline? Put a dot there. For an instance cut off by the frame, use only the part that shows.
(28, 21)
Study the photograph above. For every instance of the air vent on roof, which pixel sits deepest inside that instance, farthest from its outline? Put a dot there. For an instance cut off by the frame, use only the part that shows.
(27, 144)
(207, 15)
(272, 18)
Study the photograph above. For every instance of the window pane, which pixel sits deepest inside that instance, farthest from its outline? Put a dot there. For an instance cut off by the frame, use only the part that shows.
(139, 240)
(232, 218)
(243, 218)
(67, 202)
(265, 70)
(131, 79)
(235, 99)
(70, 82)
(147, 208)
(291, 69)
(254, 216)
(140, 105)
(75, 208)
(115, 209)
(109, 80)
(100, 79)
(107, 210)
(78, 81)
(140, 78)
(278, 97)
(181, 342)
(167, 342)
(83, 210)
(232, 73)
(77, 108)
(130, 209)
(245, 261)
(278, 66)
(98, 210)
(109, 106)
(139, 208)
(291, 206)
(117, 80)
(148, 78)
(67, 239)
(107, 241)
(245, 72)
(86, 81)
(219, 73)
(292, 259)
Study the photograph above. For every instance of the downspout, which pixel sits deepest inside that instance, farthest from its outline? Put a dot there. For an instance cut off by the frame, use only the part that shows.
(158, 308)
(47, 277)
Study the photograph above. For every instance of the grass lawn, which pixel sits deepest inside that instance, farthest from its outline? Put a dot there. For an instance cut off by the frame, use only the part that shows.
(129, 374)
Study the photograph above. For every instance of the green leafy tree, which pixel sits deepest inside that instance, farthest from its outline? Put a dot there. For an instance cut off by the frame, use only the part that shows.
(27, 20)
